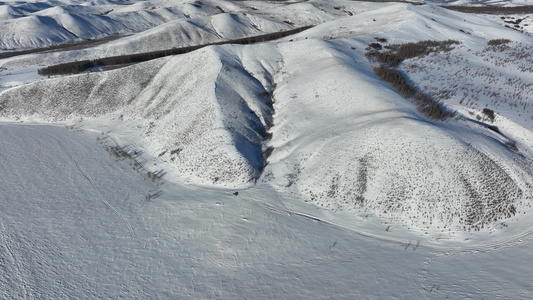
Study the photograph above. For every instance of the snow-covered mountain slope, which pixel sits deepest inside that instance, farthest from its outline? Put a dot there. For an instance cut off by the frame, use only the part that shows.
(497, 77)
(367, 150)
(192, 32)
(282, 169)
(340, 141)
(240, 19)
(211, 124)
(166, 24)
(321, 126)
(34, 25)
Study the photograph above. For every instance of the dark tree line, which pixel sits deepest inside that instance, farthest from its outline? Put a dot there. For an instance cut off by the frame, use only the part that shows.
(430, 107)
(80, 66)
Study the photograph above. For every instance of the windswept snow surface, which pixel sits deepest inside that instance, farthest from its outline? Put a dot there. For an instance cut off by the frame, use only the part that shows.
(343, 189)
(74, 223)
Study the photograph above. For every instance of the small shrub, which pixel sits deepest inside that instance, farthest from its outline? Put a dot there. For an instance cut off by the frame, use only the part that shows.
(512, 146)
(152, 176)
(489, 113)
(175, 151)
(375, 46)
(265, 94)
(498, 42)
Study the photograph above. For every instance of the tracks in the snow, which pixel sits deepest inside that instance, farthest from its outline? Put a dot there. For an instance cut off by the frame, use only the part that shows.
(99, 194)
(7, 243)
(495, 244)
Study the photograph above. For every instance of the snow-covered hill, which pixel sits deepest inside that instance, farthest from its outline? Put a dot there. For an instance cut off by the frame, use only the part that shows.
(250, 160)
(164, 24)
(211, 124)
(40, 24)
(322, 126)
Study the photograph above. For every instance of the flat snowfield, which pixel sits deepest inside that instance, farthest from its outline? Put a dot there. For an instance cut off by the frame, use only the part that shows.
(75, 224)
(303, 150)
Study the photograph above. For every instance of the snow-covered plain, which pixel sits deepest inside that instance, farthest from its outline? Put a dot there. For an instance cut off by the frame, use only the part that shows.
(74, 223)
(121, 183)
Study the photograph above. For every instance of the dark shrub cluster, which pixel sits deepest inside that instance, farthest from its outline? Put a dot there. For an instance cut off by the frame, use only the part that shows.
(410, 50)
(375, 46)
(67, 68)
(120, 152)
(396, 80)
(387, 71)
(498, 42)
(397, 53)
(526, 9)
(389, 58)
(430, 107)
(80, 66)
(494, 128)
(489, 113)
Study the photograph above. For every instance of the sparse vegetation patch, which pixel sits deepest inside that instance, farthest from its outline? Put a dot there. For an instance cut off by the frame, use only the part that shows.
(131, 155)
(387, 71)
(497, 78)
(498, 45)
(396, 53)
(497, 42)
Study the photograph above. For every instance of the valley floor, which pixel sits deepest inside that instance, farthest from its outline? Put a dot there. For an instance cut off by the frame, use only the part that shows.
(75, 223)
